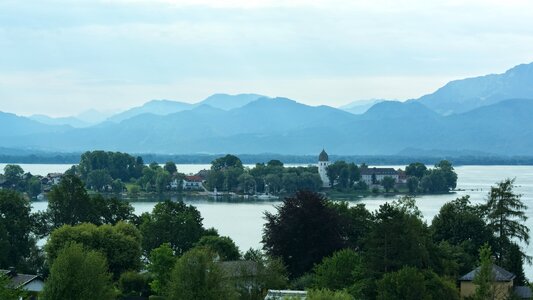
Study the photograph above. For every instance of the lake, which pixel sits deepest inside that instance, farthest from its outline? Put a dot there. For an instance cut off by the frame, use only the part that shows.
(243, 221)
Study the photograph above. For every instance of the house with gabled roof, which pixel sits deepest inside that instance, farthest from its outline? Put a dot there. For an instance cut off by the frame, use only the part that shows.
(502, 284)
(33, 284)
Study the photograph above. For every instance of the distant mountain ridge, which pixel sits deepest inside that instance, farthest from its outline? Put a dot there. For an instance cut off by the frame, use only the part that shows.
(469, 116)
(167, 107)
(463, 95)
(285, 126)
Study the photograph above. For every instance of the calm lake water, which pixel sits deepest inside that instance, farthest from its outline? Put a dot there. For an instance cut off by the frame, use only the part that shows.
(243, 221)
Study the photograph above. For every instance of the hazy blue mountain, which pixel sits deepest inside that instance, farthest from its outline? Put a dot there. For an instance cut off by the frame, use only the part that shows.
(13, 125)
(156, 107)
(463, 95)
(285, 126)
(391, 110)
(167, 107)
(93, 116)
(361, 106)
(228, 102)
(71, 121)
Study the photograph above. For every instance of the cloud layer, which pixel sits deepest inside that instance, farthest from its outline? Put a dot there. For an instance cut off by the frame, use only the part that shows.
(113, 54)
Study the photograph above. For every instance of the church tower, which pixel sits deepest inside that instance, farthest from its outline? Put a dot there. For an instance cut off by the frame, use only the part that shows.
(323, 163)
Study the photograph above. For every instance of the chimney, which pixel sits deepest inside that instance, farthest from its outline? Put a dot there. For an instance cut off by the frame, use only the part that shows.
(12, 271)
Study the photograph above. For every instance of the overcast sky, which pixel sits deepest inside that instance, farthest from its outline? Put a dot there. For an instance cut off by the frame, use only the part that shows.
(61, 57)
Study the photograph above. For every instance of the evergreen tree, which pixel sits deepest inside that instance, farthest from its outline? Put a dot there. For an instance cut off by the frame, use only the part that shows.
(506, 217)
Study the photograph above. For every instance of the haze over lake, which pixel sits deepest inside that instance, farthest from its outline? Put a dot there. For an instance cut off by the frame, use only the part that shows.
(243, 221)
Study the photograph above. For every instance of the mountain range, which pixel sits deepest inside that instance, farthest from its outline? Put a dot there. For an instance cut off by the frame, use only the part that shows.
(488, 115)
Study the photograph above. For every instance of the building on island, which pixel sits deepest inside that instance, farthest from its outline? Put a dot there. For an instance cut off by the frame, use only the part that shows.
(323, 163)
(375, 175)
(193, 182)
(502, 285)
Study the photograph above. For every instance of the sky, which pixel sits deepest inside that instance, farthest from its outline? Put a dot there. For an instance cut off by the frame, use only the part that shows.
(62, 57)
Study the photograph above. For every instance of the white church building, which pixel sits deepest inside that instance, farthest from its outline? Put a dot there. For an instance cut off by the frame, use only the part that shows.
(323, 163)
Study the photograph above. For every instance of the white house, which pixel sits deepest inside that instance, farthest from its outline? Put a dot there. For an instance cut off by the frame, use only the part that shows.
(192, 183)
(375, 175)
(323, 163)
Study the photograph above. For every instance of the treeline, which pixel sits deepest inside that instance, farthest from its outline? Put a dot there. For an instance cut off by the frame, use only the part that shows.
(392, 253)
(96, 248)
(114, 171)
(15, 156)
(227, 174)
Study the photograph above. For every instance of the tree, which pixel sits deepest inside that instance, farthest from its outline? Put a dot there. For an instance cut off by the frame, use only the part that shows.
(388, 183)
(162, 180)
(98, 180)
(484, 277)
(132, 283)
(171, 222)
(78, 274)
(326, 294)
(117, 186)
(506, 217)
(462, 225)
(416, 170)
(412, 184)
(13, 175)
(302, 222)
(247, 183)
(228, 161)
(340, 271)
(448, 172)
(161, 262)
(111, 210)
(223, 246)
(197, 276)
(273, 181)
(16, 224)
(33, 186)
(170, 167)
(269, 273)
(410, 283)
(397, 238)
(69, 203)
(120, 244)
(354, 221)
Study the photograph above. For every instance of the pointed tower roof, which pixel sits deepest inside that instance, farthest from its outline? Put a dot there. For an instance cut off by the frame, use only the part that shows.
(323, 156)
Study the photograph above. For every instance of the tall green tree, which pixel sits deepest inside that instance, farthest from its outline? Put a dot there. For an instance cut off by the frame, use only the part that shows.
(388, 183)
(484, 277)
(223, 246)
(69, 203)
(171, 222)
(506, 217)
(304, 230)
(16, 224)
(461, 224)
(161, 263)
(13, 175)
(416, 169)
(198, 276)
(170, 167)
(228, 161)
(78, 274)
(120, 244)
(397, 238)
(344, 270)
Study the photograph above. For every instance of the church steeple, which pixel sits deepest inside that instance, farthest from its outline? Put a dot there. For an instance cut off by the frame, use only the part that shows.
(323, 156)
